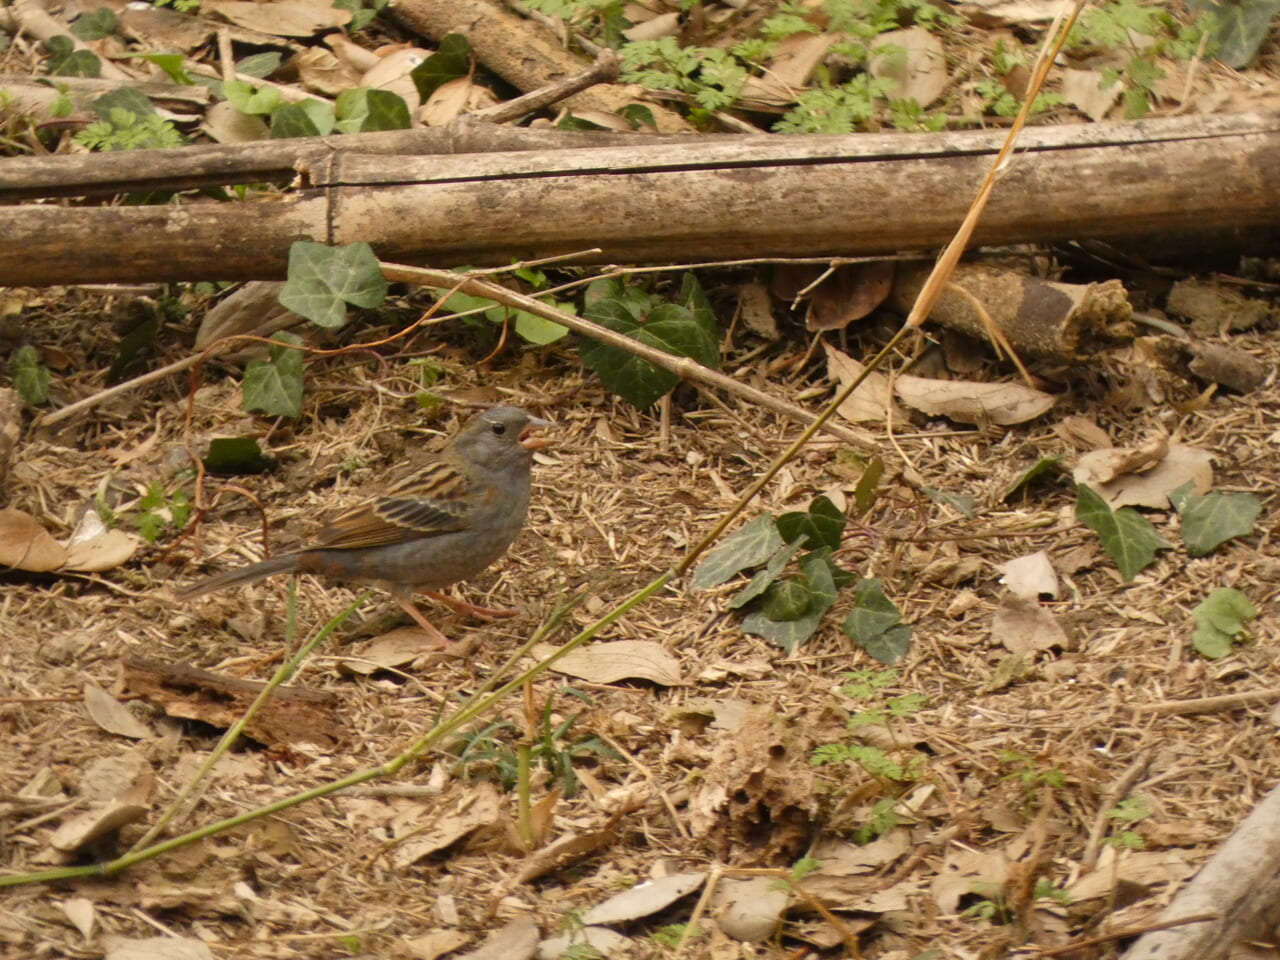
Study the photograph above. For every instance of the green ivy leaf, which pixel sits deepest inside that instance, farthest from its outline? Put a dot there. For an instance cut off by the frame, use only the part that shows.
(1128, 537)
(963, 504)
(307, 118)
(364, 110)
(771, 571)
(1237, 30)
(787, 600)
(323, 280)
(874, 623)
(822, 524)
(30, 376)
(815, 578)
(534, 329)
(260, 65)
(1042, 467)
(1212, 520)
(274, 386)
(864, 494)
(94, 25)
(669, 327)
(228, 456)
(66, 61)
(451, 60)
(249, 99)
(1220, 621)
(173, 64)
(750, 546)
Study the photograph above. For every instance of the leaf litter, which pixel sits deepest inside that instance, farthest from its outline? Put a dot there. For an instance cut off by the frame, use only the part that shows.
(744, 785)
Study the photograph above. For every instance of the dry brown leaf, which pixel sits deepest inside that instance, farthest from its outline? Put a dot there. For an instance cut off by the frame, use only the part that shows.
(839, 858)
(323, 71)
(516, 941)
(788, 71)
(103, 549)
(619, 660)
(965, 871)
(1177, 465)
(281, 18)
(97, 822)
(918, 67)
(447, 103)
(395, 648)
(871, 402)
(1083, 90)
(755, 309)
(156, 948)
(654, 27)
(25, 545)
(431, 946)
(112, 715)
(1102, 466)
(392, 74)
(480, 807)
(82, 915)
(750, 910)
(565, 852)
(1021, 625)
(644, 899)
(607, 943)
(1082, 433)
(1030, 576)
(1147, 868)
(967, 402)
(849, 294)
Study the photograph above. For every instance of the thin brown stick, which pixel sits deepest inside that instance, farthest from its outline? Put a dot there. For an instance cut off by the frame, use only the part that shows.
(683, 367)
(1117, 793)
(603, 70)
(1124, 934)
(1228, 701)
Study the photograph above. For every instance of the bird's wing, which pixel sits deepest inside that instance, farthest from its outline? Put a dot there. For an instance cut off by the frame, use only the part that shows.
(427, 503)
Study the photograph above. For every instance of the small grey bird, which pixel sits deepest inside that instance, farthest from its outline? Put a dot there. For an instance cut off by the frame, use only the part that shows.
(443, 523)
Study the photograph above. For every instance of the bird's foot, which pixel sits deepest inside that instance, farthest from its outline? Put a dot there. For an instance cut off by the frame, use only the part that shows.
(470, 609)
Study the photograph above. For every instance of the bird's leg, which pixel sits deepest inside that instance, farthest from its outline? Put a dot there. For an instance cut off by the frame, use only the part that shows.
(484, 613)
(436, 637)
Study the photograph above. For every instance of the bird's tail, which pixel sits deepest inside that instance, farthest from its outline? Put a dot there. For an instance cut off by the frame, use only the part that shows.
(284, 563)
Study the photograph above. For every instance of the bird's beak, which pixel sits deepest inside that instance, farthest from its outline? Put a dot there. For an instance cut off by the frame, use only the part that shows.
(533, 436)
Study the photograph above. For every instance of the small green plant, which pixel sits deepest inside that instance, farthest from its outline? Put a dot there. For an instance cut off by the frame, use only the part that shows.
(1128, 812)
(362, 13)
(1031, 775)
(122, 129)
(158, 511)
(553, 751)
(1141, 34)
(1220, 622)
(882, 820)
(710, 77)
(528, 326)
(30, 376)
(864, 684)
(991, 908)
(671, 934)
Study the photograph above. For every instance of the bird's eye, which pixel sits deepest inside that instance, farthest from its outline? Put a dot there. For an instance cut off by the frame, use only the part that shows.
(498, 429)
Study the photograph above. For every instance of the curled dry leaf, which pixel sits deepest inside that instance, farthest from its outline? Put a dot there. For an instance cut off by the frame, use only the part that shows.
(480, 807)
(93, 824)
(396, 648)
(1177, 465)
(1082, 433)
(965, 401)
(25, 545)
(849, 294)
(788, 70)
(1030, 576)
(82, 915)
(447, 103)
(93, 548)
(1103, 466)
(323, 71)
(750, 910)
(1087, 91)
(619, 660)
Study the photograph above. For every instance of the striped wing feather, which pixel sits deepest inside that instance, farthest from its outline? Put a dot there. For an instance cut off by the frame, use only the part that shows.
(427, 503)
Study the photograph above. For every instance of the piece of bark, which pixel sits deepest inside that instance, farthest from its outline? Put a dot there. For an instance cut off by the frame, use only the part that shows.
(1199, 362)
(1241, 885)
(291, 715)
(1039, 318)
(735, 198)
(1215, 310)
(525, 53)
